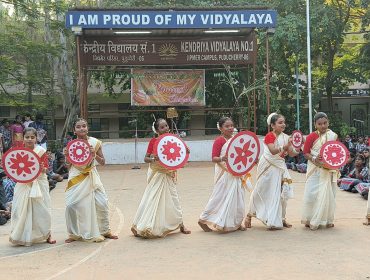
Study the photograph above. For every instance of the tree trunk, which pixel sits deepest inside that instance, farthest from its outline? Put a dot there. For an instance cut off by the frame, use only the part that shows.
(71, 101)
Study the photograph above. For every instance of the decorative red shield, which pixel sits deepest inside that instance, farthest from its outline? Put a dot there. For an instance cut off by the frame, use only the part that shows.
(78, 152)
(22, 165)
(171, 151)
(334, 154)
(297, 139)
(242, 153)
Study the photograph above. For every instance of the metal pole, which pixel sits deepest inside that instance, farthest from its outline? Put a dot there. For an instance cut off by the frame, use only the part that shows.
(309, 64)
(136, 166)
(297, 91)
(267, 75)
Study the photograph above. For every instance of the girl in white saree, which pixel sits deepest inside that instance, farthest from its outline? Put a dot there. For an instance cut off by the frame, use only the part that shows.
(31, 211)
(321, 184)
(159, 212)
(87, 212)
(225, 209)
(268, 200)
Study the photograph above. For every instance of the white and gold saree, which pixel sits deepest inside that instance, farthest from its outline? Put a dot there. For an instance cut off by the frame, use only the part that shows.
(320, 188)
(159, 212)
(225, 209)
(87, 212)
(266, 202)
(31, 210)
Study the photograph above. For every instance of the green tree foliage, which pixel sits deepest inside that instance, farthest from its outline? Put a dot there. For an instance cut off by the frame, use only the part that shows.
(38, 53)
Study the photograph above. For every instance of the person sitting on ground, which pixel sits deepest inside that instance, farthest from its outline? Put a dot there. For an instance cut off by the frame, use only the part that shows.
(60, 166)
(345, 170)
(53, 178)
(348, 142)
(366, 154)
(4, 207)
(359, 174)
(360, 146)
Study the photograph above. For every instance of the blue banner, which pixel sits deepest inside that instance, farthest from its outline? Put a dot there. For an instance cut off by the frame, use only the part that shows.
(171, 19)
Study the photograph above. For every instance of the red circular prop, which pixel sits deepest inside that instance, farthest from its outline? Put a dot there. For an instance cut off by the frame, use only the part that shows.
(78, 152)
(171, 151)
(297, 139)
(334, 154)
(242, 153)
(22, 165)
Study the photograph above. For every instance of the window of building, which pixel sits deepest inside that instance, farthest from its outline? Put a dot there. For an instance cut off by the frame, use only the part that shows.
(93, 107)
(99, 128)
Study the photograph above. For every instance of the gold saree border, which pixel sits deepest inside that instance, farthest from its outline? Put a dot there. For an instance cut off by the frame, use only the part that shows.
(29, 243)
(79, 178)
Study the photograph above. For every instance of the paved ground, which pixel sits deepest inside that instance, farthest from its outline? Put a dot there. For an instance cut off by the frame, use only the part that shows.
(298, 253)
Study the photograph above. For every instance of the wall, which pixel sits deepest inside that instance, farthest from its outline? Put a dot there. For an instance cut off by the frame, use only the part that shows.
(124, 153)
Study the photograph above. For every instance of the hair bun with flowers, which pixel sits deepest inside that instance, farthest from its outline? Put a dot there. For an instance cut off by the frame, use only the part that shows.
(270, 117)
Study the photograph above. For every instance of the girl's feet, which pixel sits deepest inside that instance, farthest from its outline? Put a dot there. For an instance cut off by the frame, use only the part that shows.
(50, 241)
(286, 224)
(274, 228)
(248, 221)
(111, 236)
(69, 240)
(367, 223)
(133, 230)
(330, 225)
(184, 230)
(204, 226)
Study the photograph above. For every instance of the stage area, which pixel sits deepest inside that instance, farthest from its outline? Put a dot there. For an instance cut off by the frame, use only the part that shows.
(297, 253)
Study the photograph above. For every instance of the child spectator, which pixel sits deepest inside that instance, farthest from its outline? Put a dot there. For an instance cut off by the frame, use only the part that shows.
(360, 146)
(348, 143)
(60, 166)
(359, 174)
(345, 170)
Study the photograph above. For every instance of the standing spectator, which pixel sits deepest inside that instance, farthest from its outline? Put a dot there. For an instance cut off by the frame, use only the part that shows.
(27, 120)
(40, 130)
(17, 132)
(348, 143)
(360, 146)
(7, 134)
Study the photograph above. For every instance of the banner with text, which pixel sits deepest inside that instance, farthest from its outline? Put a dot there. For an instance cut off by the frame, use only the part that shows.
(167, 87)
(171, 19)
(169, 51)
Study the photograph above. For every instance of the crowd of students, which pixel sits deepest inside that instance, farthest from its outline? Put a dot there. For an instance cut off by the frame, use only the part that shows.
(354, 175)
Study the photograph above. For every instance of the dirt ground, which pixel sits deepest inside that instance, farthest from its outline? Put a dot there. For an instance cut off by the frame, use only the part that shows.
(297, 253)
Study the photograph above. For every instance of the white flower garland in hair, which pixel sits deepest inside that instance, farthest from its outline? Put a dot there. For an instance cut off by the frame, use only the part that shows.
(218, 126)
(270, 117)
(153, 128)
